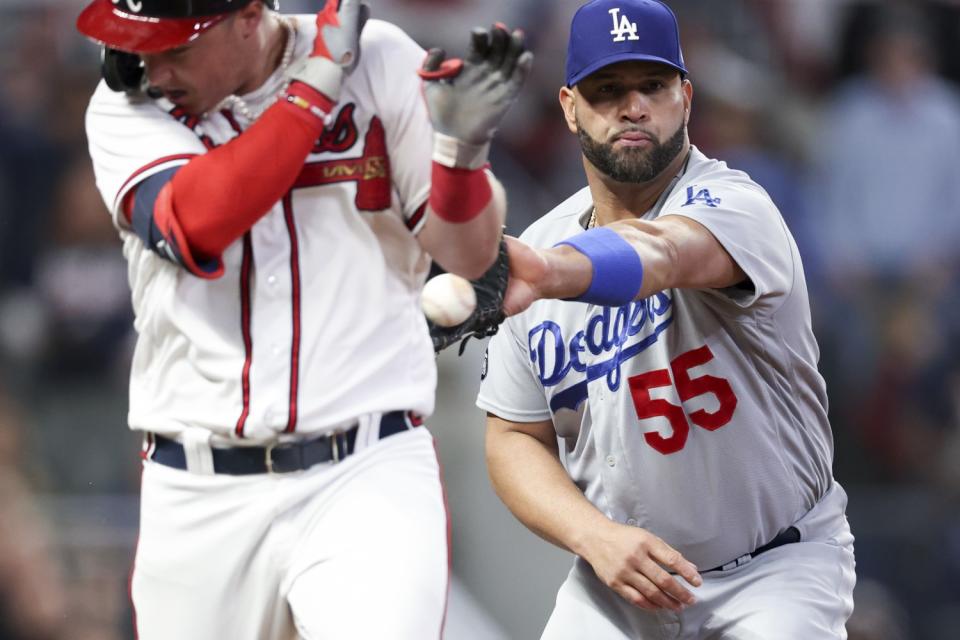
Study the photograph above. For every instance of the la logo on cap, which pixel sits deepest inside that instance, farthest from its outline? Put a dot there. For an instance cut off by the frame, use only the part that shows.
(623, 29)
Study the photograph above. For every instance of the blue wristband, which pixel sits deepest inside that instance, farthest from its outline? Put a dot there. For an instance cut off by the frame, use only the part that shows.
(617, 269)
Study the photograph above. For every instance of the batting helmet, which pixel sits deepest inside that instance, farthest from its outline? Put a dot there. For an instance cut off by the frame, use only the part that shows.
(150, 26)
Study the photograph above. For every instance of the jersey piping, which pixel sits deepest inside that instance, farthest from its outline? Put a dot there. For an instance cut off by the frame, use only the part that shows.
(246, 268)
(295, 311)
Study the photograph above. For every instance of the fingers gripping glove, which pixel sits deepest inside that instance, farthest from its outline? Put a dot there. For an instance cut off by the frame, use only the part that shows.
(336, 52)
(468, 98)
(487, 316)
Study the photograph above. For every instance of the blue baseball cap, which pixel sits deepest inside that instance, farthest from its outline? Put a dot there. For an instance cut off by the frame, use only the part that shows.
(604, 32)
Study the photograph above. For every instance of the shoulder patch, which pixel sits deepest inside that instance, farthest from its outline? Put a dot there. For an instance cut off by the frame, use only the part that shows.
(695, 195)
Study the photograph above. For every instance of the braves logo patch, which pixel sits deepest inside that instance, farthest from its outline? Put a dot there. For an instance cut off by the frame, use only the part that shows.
(371, 171)
(342, 134)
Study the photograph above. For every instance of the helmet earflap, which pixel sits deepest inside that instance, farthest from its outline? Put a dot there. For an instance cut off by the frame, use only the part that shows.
(122, 71)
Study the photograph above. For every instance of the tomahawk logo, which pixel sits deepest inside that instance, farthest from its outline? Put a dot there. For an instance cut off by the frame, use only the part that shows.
(623, 29)
(133, 5)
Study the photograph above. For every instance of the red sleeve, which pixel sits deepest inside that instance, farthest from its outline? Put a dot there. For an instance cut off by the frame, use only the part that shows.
(217, 197)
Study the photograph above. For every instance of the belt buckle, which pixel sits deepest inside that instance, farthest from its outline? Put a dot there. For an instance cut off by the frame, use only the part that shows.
(268, 457)
(335, 446)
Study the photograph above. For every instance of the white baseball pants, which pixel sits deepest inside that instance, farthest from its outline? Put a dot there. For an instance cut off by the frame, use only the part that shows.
(349, 551)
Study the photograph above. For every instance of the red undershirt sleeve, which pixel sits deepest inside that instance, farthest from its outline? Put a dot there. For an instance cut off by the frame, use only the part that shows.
(215, 198)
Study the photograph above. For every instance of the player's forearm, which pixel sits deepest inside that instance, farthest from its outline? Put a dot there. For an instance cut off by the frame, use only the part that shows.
(641, 259)
(468, 249)
(533, 484)
(219, 196)
(465, 242)
(678, 252)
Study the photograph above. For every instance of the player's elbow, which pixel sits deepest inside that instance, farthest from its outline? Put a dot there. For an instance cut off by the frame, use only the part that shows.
(497, 457)
(670, 254)
(660, 252)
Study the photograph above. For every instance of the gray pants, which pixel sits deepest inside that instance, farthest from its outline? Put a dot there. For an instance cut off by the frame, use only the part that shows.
(797, 591)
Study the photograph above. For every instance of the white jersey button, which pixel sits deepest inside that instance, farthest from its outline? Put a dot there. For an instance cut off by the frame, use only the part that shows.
(632, 522)
(272, 280)
(611, 461)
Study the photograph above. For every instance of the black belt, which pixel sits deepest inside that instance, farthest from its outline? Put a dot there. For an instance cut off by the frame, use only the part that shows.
(787, 536)
(282, 458)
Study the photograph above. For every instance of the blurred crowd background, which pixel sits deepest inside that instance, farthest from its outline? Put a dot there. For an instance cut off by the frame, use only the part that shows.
(847, 112)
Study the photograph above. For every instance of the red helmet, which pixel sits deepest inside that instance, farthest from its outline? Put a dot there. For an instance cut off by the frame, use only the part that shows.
(150, 26)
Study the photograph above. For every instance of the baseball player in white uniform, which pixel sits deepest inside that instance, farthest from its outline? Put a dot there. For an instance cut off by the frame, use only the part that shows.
(279, 200)
(654, 402)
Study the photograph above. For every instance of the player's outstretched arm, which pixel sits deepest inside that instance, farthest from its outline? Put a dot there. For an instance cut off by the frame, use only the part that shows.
(466, 100)
(620, 262)
(525, 469)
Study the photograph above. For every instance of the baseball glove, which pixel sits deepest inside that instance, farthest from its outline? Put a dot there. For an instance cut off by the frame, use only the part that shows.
(486, 318)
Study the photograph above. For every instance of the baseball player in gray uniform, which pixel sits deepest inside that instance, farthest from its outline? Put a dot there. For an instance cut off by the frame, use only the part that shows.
(654, 402)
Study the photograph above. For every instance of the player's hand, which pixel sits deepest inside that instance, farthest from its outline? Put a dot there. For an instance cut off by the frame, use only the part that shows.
(339, 25)
(468, 98)
(336, 48)
(559, 272)
(637, 564)
(528, 272)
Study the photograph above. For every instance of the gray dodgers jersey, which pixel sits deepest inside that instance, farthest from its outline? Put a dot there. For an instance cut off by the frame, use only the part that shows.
(698, 415)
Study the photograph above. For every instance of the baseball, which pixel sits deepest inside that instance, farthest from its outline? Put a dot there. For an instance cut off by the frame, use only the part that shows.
(448, 299)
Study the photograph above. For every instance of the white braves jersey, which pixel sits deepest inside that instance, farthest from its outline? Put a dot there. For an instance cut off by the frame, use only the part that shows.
(316, 319)
(696, 414)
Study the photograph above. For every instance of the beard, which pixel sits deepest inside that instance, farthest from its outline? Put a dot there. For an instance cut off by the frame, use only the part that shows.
(631, 165)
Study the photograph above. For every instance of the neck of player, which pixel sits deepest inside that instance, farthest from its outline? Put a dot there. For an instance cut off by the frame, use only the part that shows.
(271, 38)
(628, 200)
